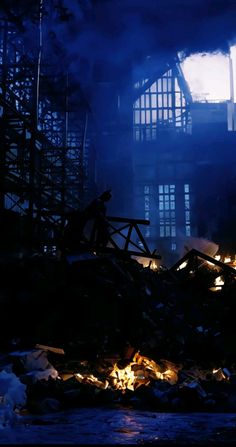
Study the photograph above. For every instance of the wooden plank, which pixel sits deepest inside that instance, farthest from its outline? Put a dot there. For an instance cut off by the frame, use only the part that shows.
(126, 252)
(128, 220)
(195, 253)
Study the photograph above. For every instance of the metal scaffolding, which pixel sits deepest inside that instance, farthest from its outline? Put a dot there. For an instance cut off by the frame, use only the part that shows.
(46, 153)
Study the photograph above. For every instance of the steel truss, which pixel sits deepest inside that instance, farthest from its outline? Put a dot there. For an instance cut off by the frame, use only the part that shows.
(46, 153)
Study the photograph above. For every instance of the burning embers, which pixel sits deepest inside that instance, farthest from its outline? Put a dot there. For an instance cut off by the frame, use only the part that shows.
(215, 273)
(90, 379)
(143, 371)
(169, 314)
(140, 371)
(166, 385)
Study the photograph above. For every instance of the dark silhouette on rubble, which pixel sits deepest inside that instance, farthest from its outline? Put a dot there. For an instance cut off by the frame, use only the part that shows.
(74, 238)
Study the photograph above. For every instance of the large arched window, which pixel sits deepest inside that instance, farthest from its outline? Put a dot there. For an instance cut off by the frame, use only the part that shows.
(160, 107)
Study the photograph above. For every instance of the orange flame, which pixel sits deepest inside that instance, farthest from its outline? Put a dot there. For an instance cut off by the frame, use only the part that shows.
(140, 372)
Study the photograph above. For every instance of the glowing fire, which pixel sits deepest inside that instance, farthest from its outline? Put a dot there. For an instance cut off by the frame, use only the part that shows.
(182, 266)
(91, 380)
(218, 283)
(123, 378)
(153, 265)
(146, 262)
(210, 263)
(226, 259)
(140, 372)
(221, 374)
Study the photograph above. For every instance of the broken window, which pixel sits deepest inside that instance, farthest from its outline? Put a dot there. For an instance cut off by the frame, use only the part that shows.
(161, 105)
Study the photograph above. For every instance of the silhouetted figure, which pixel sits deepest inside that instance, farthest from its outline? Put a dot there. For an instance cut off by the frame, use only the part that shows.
(73, 238)
(97, 210)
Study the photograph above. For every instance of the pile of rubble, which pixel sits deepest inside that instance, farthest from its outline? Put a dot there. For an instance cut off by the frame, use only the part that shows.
(163, 338)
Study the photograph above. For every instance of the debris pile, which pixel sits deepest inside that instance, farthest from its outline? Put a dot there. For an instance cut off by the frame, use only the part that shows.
(163, 338)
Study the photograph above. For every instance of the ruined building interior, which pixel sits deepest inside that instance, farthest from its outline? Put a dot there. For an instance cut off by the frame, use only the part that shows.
(110, 96)
(72, 126)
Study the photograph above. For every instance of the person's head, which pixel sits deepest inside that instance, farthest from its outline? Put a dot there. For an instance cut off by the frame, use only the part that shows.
(106, 195)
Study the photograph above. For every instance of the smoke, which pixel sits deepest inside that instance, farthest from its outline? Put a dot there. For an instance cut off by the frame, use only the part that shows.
(124, 32)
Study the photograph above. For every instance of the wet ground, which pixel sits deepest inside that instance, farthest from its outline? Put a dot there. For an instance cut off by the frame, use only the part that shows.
(107, 426)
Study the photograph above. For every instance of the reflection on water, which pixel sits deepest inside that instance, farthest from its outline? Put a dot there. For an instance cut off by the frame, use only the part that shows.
(122, 426)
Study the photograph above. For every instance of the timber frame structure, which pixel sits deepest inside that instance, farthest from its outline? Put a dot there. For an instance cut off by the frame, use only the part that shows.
(125, 238)
(191, 265)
